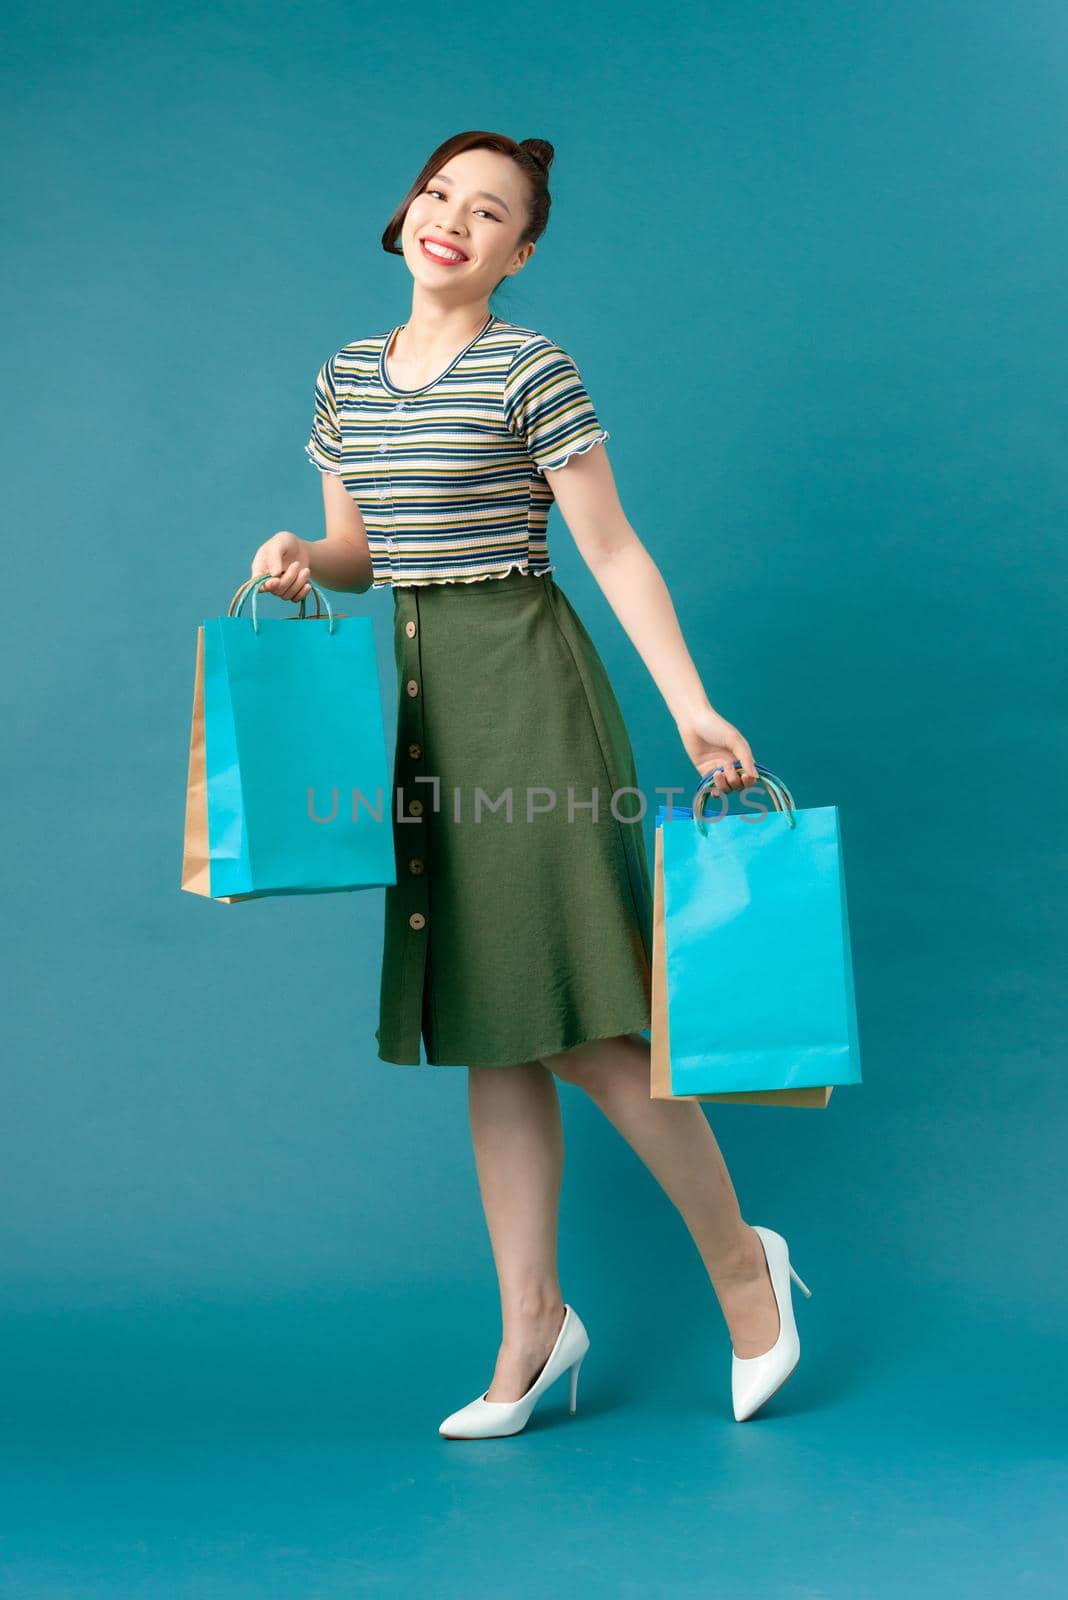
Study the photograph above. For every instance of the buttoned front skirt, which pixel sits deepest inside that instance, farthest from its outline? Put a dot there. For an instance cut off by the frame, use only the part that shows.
(520, 924)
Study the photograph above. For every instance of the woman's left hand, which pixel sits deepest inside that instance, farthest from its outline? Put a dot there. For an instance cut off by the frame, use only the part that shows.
(711, 741)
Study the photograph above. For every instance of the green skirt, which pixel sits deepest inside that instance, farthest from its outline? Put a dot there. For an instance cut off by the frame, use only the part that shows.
(521, 920)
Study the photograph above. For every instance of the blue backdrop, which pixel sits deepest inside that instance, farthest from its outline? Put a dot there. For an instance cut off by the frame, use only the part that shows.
(810, 260)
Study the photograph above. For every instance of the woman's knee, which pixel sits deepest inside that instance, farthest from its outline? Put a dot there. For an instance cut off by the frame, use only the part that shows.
(582, 1062)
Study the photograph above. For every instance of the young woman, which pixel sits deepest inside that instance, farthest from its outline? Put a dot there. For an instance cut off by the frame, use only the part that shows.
(517, 938)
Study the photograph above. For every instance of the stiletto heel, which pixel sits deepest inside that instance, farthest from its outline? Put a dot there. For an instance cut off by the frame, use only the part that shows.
(755, 1379)
(491, 1419)
(573, 1396)
(802, 1286)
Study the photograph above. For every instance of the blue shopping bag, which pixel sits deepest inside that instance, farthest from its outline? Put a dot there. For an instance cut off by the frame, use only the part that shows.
(753, 975)
(289, 787)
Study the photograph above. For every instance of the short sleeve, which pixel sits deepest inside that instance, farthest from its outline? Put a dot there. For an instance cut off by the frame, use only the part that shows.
(546, 404)
(323, 448)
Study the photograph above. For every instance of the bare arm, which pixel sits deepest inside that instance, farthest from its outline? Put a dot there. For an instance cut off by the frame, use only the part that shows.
(585, 491)
(341, 560)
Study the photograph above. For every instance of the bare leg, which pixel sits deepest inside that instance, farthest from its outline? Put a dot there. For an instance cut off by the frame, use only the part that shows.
(676, 1143)
(519, 1156)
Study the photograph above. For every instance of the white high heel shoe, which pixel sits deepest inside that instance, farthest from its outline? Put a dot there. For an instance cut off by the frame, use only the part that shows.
(755, 1379)
(489, 1419)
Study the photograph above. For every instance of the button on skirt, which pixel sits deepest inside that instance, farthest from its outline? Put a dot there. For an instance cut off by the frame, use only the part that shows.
(520, 924)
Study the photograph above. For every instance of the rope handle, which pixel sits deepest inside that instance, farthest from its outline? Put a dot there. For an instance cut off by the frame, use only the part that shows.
(254, 586)
(770, 781)
(300, 607)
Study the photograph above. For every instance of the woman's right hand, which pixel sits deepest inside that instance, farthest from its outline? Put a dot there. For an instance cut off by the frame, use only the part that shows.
(285, 557)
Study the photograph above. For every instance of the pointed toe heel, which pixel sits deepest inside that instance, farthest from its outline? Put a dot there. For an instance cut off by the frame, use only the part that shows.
(494, 1419)
(754, 1379)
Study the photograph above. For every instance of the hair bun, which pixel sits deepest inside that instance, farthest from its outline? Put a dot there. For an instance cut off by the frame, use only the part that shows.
(541, 150)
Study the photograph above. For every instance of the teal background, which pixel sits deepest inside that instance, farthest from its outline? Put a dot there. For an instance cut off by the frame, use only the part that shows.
(810, 259)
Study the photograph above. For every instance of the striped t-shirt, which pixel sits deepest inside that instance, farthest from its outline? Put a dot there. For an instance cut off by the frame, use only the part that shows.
(449, 477)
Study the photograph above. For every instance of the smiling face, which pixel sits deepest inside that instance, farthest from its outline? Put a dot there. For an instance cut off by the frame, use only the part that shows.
(474, 208)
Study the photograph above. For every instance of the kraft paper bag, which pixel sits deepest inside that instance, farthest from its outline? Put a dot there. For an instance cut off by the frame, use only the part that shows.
(196, 863)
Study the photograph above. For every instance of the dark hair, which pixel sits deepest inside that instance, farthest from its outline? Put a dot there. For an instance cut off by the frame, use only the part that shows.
(532, 156)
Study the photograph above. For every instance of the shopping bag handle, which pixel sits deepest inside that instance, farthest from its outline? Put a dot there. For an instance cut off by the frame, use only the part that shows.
(776, 788)
(253, 586)
(300, 608)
